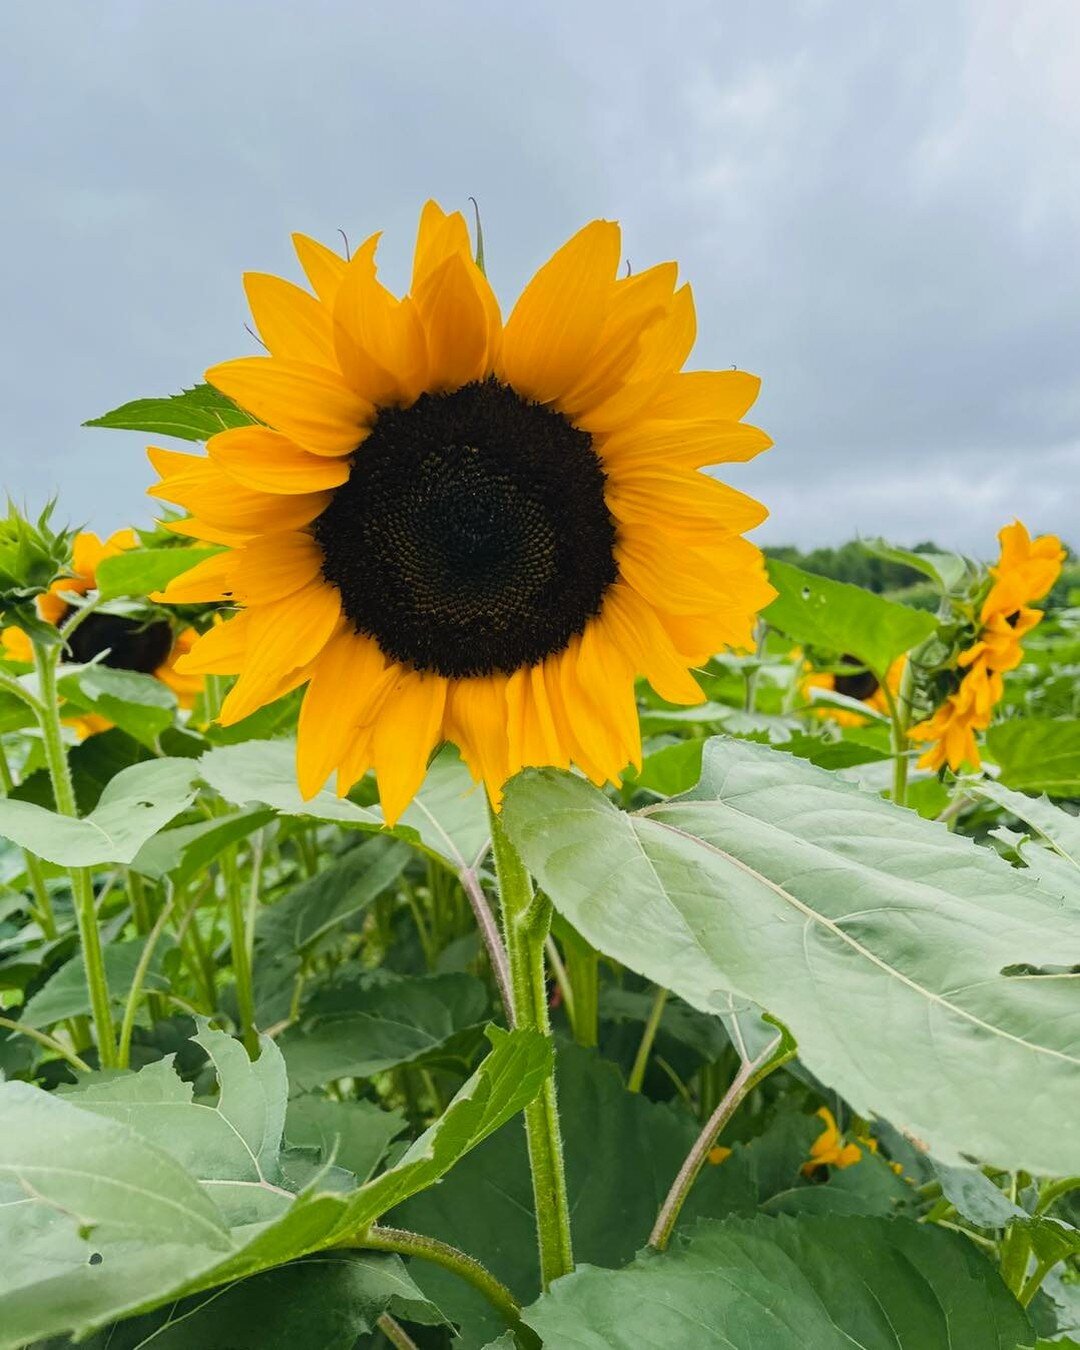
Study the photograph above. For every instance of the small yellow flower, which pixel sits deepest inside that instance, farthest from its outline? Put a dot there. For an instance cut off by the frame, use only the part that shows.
(861, 684)
(1025, 571)
(829, 1149)
(718, 1154)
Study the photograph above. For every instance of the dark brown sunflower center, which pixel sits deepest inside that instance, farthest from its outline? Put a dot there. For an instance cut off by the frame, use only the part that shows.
(860, 684)
(472, 535)
(129, 644)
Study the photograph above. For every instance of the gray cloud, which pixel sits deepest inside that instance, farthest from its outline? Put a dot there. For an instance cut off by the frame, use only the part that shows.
(878, 208)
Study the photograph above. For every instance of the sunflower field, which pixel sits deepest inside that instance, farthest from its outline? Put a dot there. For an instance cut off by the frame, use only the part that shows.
(456, 891)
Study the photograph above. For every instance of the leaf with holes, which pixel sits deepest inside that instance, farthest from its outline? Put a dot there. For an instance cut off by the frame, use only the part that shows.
(881, 939)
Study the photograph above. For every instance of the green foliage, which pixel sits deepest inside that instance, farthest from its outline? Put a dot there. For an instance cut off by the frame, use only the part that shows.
(842, 618)
(820, 1283)
(142, 571)
(869, 563)
(193, 415)
(1038, 754)
(836, 907)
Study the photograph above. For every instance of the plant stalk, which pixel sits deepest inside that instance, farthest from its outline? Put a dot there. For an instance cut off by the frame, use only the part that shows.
(750, 1074)
(240, 949)
(526, 922)
(467, 1268)
(82, 886)
(648, 1036)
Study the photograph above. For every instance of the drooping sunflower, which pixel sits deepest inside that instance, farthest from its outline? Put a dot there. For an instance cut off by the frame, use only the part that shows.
(1025, 571)
(861, 684)
(454, 528)
(122, 642)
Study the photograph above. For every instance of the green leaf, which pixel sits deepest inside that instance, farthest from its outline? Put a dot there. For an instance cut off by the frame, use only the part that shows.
(142, 571)
(975, 1196)
(193, 415)
(448, 816)
(948, 570)
(879, 938)
(92, 1219)
(65, 993)
(319, 1303)
(134, 806)
(138, 704)
(354, 1134)
(362, 1030)
(160, 1236)
(184, 852)
(843, 618)
(265, 772)
(672, 769)
(299, 921)
(815, 1283)
(622, 1152)
(1038, 754)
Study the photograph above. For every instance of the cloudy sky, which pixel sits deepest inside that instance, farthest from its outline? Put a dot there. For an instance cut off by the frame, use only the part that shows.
(878, 207)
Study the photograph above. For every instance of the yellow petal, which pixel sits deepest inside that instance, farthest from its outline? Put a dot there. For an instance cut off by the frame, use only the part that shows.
(476, 722)
(705, 393)
(283, 636)
(219, 651)
(439, 237)
(680, 500)
(202, 487)
(291, 322)
(274, 566)
(348, 686)
(204, 583)
(323, 267)
(556, 324)
(409, 727)
(637, 304)
(667, 345)
(379, 339)
(269, 462)
(687, 445)
(312, 405)
(634, 627)
(455, 323)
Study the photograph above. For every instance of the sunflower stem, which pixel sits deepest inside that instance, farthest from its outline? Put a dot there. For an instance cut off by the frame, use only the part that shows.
(750, 1074)
(899, 716)
(238, 944)
(82, 887)
(648, 1036)
(43, 909)
(526, 922)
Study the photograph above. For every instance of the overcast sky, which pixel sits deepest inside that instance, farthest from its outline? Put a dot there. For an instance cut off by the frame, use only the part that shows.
(878, 207)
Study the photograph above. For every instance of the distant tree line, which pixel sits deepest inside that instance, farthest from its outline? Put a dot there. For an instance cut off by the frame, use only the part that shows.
(852, 562)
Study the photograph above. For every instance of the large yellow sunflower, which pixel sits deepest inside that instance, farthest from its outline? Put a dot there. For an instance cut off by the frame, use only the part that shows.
(455, 528)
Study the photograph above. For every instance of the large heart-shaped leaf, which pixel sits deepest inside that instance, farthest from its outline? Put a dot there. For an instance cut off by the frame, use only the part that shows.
(134, 806)
(905, 959)
(815, 1283)
(843, 618)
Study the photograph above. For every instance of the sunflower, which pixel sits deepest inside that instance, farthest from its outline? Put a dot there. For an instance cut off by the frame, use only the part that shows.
(1025, 571)
(454, 528)
(861, 684)
(127, 643)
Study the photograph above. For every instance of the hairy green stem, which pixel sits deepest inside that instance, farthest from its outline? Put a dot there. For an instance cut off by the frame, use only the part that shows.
(467, 1268)
(526, 921)
(238, 944)
(43, 910)
(82, 886)
(899, 717)
(395, 1333)
(652, 1026)
(49, 1042)
(750, 1074)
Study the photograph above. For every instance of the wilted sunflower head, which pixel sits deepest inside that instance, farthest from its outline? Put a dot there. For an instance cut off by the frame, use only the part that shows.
(455, 528)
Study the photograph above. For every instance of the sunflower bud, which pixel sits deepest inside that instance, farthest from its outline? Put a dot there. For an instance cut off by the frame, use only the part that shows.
(32, 556)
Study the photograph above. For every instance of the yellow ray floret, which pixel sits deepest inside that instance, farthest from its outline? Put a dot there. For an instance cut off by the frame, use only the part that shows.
(452, 527)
